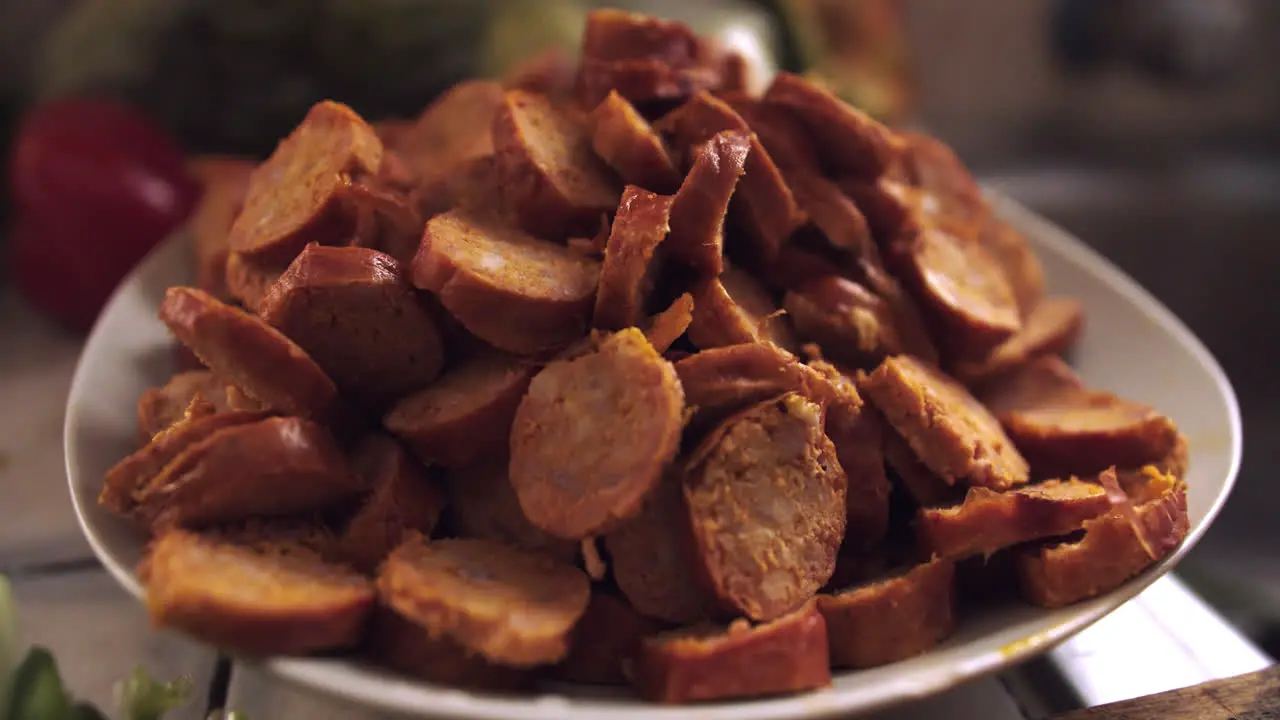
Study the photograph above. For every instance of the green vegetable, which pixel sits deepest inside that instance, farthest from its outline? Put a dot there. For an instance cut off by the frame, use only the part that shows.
(142, 697)
(37, 692)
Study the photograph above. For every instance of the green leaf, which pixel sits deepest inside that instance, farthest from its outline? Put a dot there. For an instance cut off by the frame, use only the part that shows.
(37, 692)
(8, 641)
(142, 697)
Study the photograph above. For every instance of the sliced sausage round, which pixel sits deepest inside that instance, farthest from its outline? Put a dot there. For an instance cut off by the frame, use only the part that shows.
(353, 311)
(734, 309)
(510, 606)
(629, 144)
(594, 434)
(766, 497)
(629, 270)
(250, 353)
(510, 289)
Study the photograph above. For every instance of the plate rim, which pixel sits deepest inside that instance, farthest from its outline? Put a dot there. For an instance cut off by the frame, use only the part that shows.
(387, 692)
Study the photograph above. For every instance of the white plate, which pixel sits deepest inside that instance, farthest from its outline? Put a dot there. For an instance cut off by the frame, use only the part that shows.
(1132, 345)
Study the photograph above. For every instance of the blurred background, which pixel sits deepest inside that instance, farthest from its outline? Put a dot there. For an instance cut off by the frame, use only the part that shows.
(1150, 128)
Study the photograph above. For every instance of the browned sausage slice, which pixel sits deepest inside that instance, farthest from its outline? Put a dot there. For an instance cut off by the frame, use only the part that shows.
(297, 195)
(1050, 328)
(960, 284)
(253, 603)
(699, 207)
(734, 309)
(1020, 264)
(852, 142)
(508, 288)
(604, 641)
(354, 312)
(664, 329)
(250, 353)
(893, 618)
(922, 484)
(988, 521)
(833, 213)
(593, 436)
(642, 58)
(766, 496)
(655, 559)
(856, 430)
(624, 139)
(509, 606)
(248, 280)
(1063, 430)
(764, 206)
(558, 184)
(850, 323)
(932, 166)
(454, 129)
(783, 135)
(1113, 549)
(389, 220)
(402, 498)
(787, 655)
(160, 408)
(128, 476)
(277, 466)
(951, 432)
(629, 271)
(464, 414)
(484, 505)
(409, 648)
(225, 181)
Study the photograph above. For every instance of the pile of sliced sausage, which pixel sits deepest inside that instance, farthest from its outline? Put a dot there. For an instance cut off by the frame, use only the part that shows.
(618, 373)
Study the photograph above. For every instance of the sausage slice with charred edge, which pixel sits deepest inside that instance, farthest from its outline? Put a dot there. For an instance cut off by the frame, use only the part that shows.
(605, 641)
(951, 432)
(407, 647)
(1113, 548)
(1063, 428)
(833, 213)
(465, 413)
(628, 273)
(254, 603)
(510, 606)
(655, 560)
(355, 313)
(558, 184)
(1018, 260)
(766, 496)
(510, 289)
(664, 329)
(734, 309)
(298, 195)
(402, 498)
(250, 353)
(892, 618)
(1050, 329)
(249, 280)
(763, 206)
(850, 323)
(628, 143)
(787, 655)
(960, 285)
(852, 142)
(699, 206)
(921, 483)
(127, 477)
(484, 505)
(272, 467)
(160, 408)
(454, 129)
(593, 436)
(988, 521)
(642, 58)
(783, 135)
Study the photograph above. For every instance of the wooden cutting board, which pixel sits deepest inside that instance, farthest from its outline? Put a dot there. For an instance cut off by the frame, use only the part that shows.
(1255, 696)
